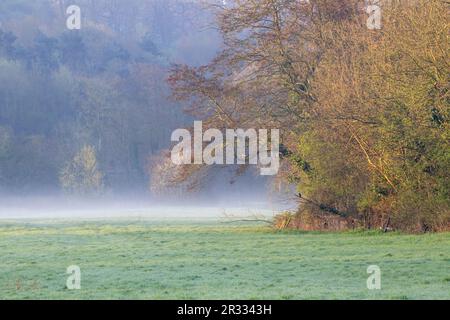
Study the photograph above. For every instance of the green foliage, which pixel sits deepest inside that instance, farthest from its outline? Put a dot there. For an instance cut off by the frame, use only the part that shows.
(378, 147)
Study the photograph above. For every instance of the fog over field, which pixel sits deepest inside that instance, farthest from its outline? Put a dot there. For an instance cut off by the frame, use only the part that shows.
(157, 212)
(50, 208)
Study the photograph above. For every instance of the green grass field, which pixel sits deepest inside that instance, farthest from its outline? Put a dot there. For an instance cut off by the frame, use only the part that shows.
(205, 259)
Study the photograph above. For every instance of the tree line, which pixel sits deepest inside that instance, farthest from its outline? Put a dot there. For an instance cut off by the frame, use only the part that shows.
(82, 111)
(364, 114)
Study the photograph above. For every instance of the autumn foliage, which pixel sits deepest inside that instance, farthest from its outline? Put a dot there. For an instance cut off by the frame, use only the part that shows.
(364, 114)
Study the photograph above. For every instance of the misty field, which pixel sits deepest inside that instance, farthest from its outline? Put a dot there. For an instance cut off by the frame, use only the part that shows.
(206, 259)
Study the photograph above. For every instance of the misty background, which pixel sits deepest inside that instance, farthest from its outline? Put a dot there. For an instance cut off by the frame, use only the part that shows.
(85, 113)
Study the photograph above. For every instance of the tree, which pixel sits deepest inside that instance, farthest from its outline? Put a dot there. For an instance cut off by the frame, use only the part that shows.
(81, 175)
(45, 54)
(148, 45)
(364, 114)
(7, 40)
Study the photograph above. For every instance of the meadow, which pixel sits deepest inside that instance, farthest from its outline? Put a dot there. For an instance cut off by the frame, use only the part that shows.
(207, 259)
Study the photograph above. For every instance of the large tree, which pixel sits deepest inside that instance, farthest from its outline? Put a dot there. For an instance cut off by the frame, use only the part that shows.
(364, 113)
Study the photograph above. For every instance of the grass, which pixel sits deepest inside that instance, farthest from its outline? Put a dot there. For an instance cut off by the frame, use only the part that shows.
(207, 260)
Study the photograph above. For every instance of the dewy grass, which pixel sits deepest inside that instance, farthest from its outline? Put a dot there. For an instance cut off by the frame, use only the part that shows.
(147, 259)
